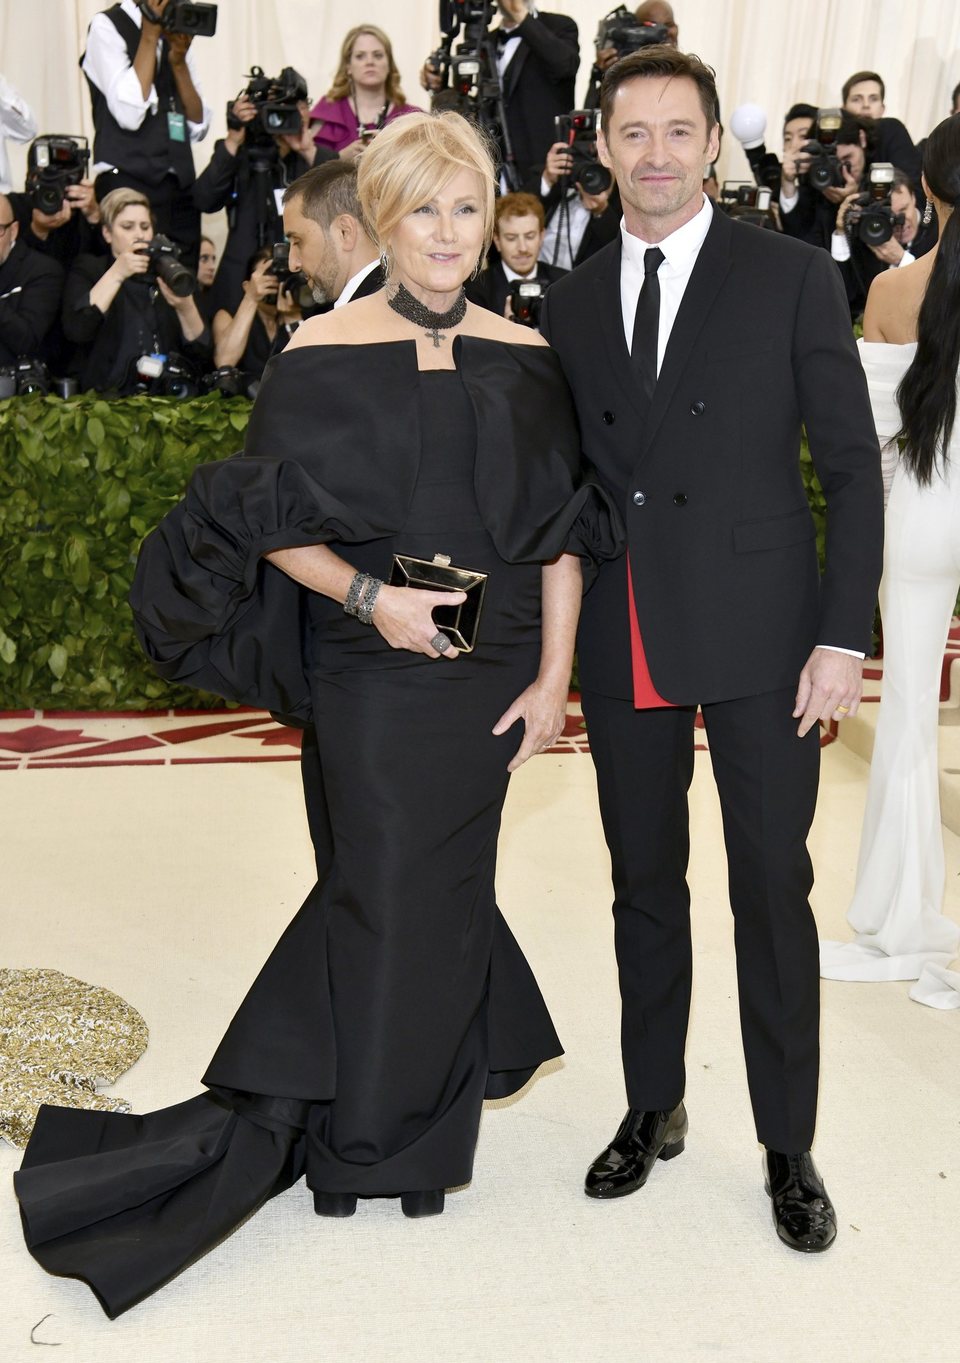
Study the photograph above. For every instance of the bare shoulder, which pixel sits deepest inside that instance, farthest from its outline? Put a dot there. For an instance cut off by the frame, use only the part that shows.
(893, 304)
(327, 329)
(487, 324)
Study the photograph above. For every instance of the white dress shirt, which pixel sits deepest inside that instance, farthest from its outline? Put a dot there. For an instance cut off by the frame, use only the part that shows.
(680, 250)
(354, 282)
(17, 121)
(108, 65)
(570, 226)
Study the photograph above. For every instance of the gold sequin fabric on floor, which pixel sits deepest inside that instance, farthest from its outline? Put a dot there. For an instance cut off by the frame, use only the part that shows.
(59, 1039)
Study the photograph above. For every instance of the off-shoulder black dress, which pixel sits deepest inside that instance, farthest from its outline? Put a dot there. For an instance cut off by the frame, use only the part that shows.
(398, 998)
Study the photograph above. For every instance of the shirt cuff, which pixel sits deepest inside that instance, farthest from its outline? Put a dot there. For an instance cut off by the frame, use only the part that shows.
(788, 202)
(906, 259)
(850, 652)
(839, 247)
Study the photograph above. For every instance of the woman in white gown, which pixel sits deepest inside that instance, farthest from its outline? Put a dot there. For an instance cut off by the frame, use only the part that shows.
(910, 352)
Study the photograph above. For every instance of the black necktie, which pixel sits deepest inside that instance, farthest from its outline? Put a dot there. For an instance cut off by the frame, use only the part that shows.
(646, 324)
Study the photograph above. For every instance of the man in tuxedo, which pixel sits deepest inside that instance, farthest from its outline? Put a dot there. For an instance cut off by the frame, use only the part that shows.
(696, 347)
(30, 288)
(518, 236)
(537, 56)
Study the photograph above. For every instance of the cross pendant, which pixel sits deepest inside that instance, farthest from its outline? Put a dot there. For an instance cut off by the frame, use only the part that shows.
(436, 336)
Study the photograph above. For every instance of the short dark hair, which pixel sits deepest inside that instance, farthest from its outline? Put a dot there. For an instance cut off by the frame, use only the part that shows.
(801, 111)
(858, 78)
(851, 126)
(326, 191)
(660, 60)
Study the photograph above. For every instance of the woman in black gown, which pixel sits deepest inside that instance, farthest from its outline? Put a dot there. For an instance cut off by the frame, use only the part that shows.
(408, 422)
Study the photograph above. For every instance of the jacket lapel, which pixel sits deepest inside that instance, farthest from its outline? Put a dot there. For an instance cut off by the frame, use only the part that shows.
(516, 65)
(706, 280)
(609, 313)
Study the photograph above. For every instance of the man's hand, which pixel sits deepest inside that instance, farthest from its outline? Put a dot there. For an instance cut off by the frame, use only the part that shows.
(559, 162)
(42, 224)
(430, 78)
(83, 198)
(891, 252)
(831, 685)
(262, 285)
(178, 44)
(147, 27)
(836, 194)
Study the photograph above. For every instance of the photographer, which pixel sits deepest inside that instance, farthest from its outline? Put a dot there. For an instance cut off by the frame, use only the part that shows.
(365, 95)
(864, 95)
(860, 262)
(537, 57)
(147, 109)
(58, 211)
(655, 12)
(518, 237)
(246, 340)
(249, 171)
(804, 212)
(30, 288)
(578, 223)
(123, 316)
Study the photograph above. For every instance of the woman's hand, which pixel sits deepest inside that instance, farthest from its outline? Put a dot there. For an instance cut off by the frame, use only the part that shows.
(403, 615)
(130, 263)
(263, 283)
(543, 709)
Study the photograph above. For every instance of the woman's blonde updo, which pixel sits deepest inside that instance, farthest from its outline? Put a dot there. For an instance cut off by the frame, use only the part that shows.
(409, 161)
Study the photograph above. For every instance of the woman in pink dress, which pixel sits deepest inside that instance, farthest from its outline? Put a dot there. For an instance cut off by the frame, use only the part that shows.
(365, 94)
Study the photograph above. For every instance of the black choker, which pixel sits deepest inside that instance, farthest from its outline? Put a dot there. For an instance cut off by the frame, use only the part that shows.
(403, 301)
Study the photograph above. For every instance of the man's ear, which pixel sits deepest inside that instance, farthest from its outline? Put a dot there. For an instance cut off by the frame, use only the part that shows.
(348, 229)
(603, 151)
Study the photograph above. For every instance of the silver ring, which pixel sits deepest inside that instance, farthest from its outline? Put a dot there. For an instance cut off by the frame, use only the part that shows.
(440, 642)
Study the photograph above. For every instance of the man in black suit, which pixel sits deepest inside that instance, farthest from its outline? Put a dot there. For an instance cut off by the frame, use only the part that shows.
(578, 224)
(30, 290)
(537, 56)
(518, 236)
(696, 346)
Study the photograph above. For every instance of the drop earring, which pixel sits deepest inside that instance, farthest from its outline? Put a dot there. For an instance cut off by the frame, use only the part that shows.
(928, 214)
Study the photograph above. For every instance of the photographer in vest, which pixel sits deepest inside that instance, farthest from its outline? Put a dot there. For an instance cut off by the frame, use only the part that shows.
(147, 109)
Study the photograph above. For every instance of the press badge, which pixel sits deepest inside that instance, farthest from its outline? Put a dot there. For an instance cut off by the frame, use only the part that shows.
(176, 127)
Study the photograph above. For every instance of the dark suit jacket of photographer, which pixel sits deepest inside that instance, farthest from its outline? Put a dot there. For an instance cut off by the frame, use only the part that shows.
(538, 84)
(600, 230)
(489, 290)
(27, 315)
(229, 182)
(110, 343)
(722, 543)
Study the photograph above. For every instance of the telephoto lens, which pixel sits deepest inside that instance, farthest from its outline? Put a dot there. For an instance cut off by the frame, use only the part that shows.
(167, 265)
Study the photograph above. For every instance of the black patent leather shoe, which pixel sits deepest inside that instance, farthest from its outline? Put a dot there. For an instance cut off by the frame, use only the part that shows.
(334, 1204)
(802, 1211)
(643, 1138)
(422, 1204)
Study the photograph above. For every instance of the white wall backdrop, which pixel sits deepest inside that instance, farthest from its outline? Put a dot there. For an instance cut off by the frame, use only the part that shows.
(772, 52)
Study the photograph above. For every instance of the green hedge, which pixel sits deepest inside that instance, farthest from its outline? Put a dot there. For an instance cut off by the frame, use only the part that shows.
(81, 482)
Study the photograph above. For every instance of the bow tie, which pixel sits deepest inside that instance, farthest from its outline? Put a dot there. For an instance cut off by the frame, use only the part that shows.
(503, 36)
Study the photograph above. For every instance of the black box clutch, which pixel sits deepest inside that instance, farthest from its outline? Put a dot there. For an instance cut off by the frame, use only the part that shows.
(460, 623)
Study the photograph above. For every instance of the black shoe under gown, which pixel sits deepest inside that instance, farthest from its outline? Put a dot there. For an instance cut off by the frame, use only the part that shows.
(397, 998)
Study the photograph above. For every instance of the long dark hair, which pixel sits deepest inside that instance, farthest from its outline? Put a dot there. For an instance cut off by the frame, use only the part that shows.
(927, 395)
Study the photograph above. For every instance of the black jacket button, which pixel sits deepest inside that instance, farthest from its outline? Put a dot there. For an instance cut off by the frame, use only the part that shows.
(679, 499)
(608, 418)
(639, 498)
(698, 408)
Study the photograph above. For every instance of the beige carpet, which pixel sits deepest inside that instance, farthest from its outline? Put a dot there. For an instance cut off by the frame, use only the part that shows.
(171, 885)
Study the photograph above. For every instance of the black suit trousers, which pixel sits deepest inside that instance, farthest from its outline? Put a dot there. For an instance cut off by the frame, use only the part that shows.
(767, 782)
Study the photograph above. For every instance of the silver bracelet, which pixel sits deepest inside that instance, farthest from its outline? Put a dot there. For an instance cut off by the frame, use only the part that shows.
(370, 593)
(355, 591)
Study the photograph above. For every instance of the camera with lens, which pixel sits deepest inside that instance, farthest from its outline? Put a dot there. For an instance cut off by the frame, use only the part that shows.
(871, 217)
(822, 169)
(228, 380)
(165, 264)
(747, 203)
(526, 300)
(579, 130)
(166, 376)
(620, 29)
(53, 164)
(277, 99)
(279, 267)
(183, 16)
(25, 376)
